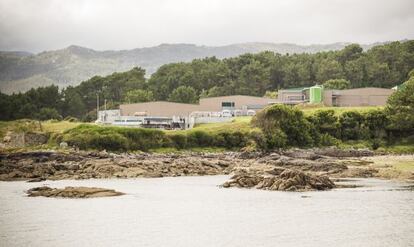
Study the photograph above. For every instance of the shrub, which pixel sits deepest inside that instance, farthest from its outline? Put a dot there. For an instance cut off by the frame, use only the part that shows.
(351, 125)
(376, 143)
(230, 139)
(142, 139)
(55, 138)
(178, 140)
(400, 108)
(281, 123)
(325, 121)
(199, 138)
(268, 141)
(114, 138)
(278, 139)
(376, 122)
(48, 113)
(328, 140)
(110, 141)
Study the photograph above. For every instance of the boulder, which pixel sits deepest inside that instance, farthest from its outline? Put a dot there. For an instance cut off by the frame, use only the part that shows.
(282, 180)
(72, 192)
(63, 145)
(36, 180)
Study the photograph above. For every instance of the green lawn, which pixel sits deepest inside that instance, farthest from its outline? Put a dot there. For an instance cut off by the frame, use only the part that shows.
(35, 126)
(238, 123)
(59, 126)
(339, 110)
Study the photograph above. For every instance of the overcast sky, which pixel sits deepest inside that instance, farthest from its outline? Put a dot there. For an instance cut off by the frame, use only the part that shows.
(37, 25)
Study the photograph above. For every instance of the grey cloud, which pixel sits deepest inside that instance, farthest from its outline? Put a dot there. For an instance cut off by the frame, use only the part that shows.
(122, 24)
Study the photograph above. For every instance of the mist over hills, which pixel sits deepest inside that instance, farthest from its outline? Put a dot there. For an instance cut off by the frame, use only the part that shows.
(20, 71)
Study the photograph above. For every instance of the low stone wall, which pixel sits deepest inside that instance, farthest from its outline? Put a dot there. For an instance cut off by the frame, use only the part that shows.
(22, 139)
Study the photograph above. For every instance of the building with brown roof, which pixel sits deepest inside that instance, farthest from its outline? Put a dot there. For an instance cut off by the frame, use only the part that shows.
(212, 104)
(370, 96)
(158, 108)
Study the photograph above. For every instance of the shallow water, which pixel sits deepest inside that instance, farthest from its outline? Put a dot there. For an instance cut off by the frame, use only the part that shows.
(193, 211)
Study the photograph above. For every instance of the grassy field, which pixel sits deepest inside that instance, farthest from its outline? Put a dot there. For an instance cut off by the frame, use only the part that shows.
(26, 125)
(338, 110)
(238, 123)
(19, 126)
(58, 126)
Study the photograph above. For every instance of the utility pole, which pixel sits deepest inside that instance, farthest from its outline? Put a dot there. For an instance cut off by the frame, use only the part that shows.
(97, 106)
(105, 110)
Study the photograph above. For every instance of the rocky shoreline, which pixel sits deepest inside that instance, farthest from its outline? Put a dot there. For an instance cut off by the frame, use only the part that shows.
(294, 169)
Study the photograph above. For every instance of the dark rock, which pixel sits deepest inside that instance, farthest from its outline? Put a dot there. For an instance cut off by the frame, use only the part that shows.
(35, 180)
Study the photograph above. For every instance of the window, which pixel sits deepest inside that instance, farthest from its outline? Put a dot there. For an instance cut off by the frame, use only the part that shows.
(227, 104)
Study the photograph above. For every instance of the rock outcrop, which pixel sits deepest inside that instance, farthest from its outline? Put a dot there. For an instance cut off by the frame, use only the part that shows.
(281, 180)
(51, 165)
(72, 192)
(85, 165)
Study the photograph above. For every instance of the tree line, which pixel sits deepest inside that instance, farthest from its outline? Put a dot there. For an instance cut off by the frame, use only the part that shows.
(248, 74)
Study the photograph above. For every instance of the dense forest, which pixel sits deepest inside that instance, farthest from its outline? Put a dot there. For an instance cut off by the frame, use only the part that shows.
(249, 74)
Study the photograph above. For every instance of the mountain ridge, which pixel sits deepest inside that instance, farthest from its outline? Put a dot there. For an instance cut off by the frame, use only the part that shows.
(20, 70)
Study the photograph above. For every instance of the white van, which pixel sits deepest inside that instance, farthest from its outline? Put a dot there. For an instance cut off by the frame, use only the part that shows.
(251, 113)
(226, 113)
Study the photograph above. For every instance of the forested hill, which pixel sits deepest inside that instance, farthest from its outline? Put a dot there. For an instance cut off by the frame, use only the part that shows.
(249, 74)
(20, 71)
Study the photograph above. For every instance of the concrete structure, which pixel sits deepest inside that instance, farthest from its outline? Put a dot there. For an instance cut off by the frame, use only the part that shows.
(158, 109)
(114, 117)
(348, 97)
(357, 97)
(108, 116)
(293, 96)
(162, 114)
(233, 102)
(239, 104)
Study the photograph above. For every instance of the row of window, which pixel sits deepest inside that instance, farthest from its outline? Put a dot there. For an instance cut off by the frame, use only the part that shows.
(227, 104)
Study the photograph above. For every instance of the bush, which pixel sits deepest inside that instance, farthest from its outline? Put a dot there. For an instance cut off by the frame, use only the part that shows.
(110, 141)
(400, 108)
(55, 138)
(328, 140)
(114, 138)
(283, 125)
(376, 122)
(278, 139)
(231, 139)
(376, 143)
(259, 139)
(267, 141)
(325, 121)
(142, 139)
(178, 140)
(350, 123)
(48, 113)
(199, 138)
